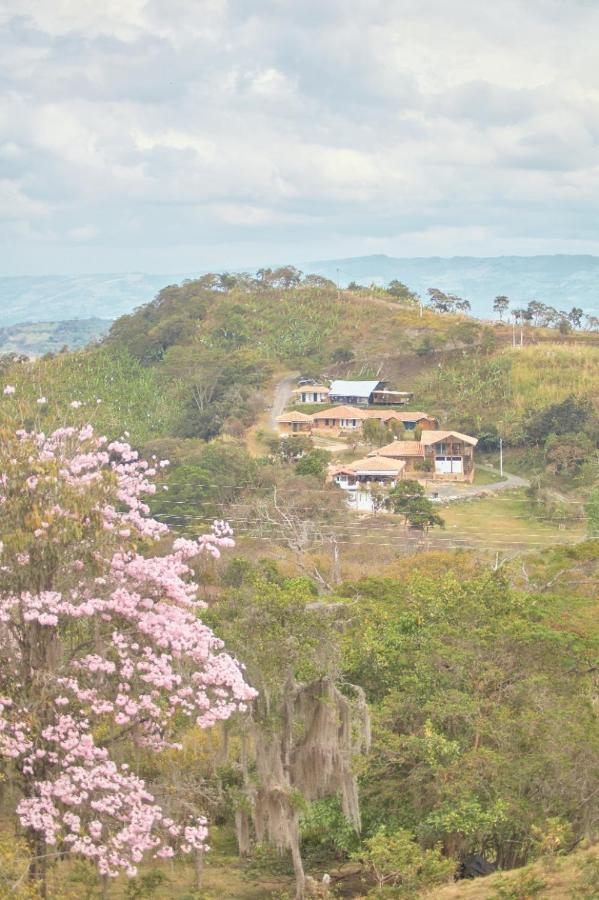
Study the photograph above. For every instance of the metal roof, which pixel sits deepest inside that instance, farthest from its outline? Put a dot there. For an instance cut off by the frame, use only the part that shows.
(353, 388)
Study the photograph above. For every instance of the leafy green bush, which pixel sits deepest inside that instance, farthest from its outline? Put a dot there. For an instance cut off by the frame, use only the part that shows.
(396, 861)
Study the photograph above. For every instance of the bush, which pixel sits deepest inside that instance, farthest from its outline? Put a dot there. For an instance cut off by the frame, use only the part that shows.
(396, 860)
(313, 463)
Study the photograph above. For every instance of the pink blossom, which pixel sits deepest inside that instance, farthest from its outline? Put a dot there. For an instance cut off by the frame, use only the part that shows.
(9, 389)
(143, 659)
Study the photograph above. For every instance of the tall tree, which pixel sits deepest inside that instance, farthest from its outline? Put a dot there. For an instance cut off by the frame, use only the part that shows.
(100, 646)
(307, 725)
(501, 304)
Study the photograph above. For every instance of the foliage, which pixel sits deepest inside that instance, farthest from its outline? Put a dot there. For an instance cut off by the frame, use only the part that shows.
(314, 463)
(99, 646)
(408, 499)
(523, 887)
(395, 859)
(592, 512)
(198, 491)
(376, 433)
(570, 416)
(476, 691)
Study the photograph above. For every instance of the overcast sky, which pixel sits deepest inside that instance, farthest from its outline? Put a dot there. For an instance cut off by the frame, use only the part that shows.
(180, 135)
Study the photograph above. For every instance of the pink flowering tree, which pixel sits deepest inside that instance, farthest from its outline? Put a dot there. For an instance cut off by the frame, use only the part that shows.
(100, 645)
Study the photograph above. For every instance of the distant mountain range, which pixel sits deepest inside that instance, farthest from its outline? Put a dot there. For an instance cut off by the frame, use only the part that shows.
(52, 297)
(37, 338)
(562, 281)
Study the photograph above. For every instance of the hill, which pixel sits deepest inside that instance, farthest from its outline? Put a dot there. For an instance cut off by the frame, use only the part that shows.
(562, 281)
(37, 338)
(473, 652)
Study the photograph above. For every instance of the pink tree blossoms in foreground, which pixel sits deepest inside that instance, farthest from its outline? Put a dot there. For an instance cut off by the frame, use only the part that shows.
(100, 644)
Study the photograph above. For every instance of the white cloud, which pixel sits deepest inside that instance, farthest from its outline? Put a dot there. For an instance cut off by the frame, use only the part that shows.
(287, 129)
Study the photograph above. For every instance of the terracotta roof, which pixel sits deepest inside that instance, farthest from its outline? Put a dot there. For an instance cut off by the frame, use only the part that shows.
(431, 437)
(399, 449)
(386, 414)
(371, 464)
(294, 417)
(341, 412)
(311, 388)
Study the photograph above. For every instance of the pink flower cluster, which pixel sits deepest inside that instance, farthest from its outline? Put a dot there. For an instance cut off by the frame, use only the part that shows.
(97, 638)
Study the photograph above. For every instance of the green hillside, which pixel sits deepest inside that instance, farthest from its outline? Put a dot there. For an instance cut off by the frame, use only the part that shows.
(469, 648)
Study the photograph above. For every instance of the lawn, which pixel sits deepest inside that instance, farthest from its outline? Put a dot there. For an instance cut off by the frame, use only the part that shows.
(503, 521)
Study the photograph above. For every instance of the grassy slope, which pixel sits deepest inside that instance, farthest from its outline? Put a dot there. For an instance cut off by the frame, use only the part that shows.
(502, 387)
(571, 877)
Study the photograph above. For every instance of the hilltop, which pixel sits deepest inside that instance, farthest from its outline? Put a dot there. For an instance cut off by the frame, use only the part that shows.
(471, 645)
(559, 280)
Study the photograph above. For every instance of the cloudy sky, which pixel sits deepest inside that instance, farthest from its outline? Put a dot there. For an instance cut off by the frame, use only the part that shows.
(179, 135)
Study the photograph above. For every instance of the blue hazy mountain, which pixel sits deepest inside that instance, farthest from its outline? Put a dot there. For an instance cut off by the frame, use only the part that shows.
(562, 281)
(48, 298)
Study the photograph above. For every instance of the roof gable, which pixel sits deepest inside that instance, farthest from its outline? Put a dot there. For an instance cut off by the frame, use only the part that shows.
(429, 437)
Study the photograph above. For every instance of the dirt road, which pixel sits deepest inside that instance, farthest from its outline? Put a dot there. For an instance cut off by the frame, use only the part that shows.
(281, 396)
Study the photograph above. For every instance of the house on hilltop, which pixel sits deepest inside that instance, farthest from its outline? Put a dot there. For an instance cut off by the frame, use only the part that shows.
(311, 393)
(409, 420)
(294, 423)
(353, 393)
(445, 455)
(372, 469)
(339, 418)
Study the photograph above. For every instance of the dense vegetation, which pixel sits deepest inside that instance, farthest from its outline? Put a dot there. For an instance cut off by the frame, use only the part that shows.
(412, 712)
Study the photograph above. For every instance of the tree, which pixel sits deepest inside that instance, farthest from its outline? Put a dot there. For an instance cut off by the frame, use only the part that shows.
(564, 326)
(570, 416)
(408, 499)
(376, 433)
(446, 303)
(314, 463)
(317, 281)
(100, 646)
(395, 859)
(401, 292)
(501, 305)
(307, 724)
(592, 323)
(565, 453)
(575, 317)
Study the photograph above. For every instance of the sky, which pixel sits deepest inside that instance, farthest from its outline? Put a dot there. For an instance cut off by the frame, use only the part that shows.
(185, 135)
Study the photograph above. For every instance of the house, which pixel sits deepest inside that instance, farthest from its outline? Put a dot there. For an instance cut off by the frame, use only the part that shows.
(442, 455)
(339, 418)
(409, 420)
(311, 393)
(356, 393)
(372, 469)
(294, 423)
(384, 396)
(450, 453)
(410, 452)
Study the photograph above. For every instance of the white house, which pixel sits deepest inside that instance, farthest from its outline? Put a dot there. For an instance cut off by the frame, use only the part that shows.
(311, 393)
